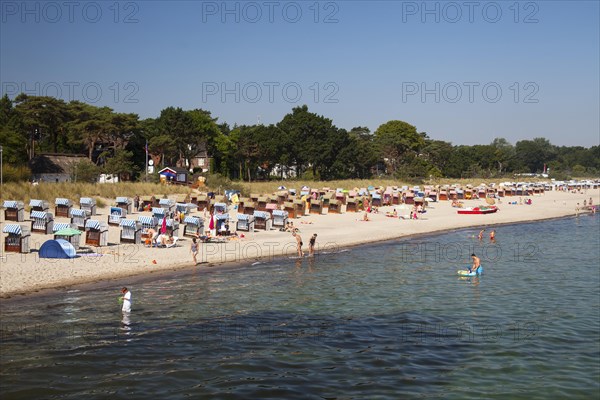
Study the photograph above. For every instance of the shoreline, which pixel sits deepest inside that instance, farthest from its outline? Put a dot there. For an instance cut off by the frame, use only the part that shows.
(188, 269)
(19, 280)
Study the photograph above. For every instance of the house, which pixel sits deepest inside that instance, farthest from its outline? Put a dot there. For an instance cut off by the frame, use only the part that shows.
(174, 175)
(54, 167)
(201, 161)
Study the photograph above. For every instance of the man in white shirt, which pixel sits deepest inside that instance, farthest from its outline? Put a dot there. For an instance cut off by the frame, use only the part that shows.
(126, 300)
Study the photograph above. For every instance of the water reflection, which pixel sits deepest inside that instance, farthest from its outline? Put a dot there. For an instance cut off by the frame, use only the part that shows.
(311, 264)
(126, 323)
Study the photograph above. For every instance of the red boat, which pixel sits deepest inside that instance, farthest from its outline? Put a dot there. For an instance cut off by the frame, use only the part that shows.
(478, 210)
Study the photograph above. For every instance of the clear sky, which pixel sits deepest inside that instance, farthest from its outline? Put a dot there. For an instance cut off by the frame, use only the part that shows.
(464, 71)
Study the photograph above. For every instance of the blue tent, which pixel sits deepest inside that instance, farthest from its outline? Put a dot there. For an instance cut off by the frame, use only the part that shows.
(58, 248)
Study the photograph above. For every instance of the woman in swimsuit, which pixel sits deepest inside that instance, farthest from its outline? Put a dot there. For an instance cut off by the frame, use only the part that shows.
(311, 245)
(194, 250)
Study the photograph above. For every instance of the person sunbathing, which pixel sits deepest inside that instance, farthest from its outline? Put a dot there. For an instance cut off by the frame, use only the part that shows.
(392, 214)
(205, 238)
(164, 240)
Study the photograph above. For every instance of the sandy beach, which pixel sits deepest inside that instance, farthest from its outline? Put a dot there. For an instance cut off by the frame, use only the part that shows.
(27, 273)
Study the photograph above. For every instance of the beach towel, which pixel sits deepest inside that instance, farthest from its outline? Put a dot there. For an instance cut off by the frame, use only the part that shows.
(211, 224)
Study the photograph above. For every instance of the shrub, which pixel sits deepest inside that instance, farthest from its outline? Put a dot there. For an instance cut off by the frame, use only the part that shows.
(85, 171)
(220, 183)
(15, 174)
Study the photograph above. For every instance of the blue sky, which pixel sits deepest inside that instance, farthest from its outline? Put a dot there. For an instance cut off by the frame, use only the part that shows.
(464, 72)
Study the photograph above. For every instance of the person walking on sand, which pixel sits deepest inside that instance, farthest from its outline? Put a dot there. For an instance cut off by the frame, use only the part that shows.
(311, 245)
(126, 298)
(194, 250)
(298, 243)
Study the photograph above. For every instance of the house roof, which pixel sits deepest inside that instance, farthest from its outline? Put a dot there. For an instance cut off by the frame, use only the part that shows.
(55, 163)
(175, 170)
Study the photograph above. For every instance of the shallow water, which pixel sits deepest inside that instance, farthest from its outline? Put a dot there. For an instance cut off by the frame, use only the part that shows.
(381, 322)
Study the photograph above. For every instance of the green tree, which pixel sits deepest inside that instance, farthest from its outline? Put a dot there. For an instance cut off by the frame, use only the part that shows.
(121, 164)
(43, 120)
(533, 154)
(459, 162)
(12, 138)
(312, 141)
(89, 126)
(248, 150)
(191, 132)
(438, 153)
(124, 128)
(398, 142)
(360, 154)
(504, 154)
(85, 171)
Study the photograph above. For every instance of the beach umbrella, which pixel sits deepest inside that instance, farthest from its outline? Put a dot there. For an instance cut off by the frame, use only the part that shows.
(68, 232)
(211, 224)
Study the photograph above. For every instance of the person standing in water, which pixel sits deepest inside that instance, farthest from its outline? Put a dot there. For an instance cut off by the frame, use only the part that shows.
(476, 264)
(480, 237)
(126, 300)
(298, 243)
(311, 245)
(493, 236)
(194, 250)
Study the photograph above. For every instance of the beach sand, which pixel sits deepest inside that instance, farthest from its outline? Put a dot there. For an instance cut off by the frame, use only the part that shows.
(27, 273)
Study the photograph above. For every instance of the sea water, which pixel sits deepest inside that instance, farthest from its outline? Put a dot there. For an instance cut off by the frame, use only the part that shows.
(385, 321)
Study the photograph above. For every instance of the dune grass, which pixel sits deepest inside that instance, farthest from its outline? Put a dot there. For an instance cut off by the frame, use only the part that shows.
(106, 193)
(103, 193)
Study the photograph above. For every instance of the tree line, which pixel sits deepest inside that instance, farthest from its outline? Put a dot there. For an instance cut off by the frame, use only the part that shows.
(302, 144)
